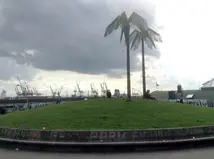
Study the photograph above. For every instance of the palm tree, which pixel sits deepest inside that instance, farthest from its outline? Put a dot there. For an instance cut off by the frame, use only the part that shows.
(122, 21)
(142, 34)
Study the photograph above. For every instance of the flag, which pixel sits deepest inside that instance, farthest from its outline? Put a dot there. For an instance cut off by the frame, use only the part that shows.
(157, 85)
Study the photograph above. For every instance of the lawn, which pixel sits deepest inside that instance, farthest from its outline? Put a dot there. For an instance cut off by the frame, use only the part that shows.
(110, 114)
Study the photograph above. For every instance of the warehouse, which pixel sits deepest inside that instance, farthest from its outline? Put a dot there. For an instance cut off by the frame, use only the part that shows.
(206, 92)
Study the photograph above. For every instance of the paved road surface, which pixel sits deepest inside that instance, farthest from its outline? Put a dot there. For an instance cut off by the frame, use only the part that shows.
(187, 154)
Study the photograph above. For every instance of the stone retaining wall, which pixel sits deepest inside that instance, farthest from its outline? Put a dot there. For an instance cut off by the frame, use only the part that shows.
(107, 136)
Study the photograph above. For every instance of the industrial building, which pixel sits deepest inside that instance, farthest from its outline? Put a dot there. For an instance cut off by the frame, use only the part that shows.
(206, 92)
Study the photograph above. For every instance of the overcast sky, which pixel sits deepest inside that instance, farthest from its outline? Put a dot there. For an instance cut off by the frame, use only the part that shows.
(52, 42)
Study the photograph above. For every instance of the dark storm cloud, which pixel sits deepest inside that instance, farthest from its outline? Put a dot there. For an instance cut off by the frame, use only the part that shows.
(66, 35)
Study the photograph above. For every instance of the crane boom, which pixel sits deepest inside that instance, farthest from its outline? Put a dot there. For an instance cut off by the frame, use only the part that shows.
(21, 86)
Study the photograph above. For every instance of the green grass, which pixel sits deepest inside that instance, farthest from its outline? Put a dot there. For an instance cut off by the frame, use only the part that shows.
(110, 114)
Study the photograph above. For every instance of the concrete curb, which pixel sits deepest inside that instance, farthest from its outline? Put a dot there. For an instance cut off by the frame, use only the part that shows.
(106, 147)
(105, 143)
(81, 141)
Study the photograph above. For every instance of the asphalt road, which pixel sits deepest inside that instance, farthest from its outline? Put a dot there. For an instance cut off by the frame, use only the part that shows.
(183, 154)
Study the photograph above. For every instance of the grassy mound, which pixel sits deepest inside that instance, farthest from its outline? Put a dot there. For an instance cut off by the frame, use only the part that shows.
(110, 114)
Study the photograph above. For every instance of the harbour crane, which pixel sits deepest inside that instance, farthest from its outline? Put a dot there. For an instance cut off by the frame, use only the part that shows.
(59, 91)
(94, 91)
(3, 94)
(54, 92)
(79, 90)
(104, 89)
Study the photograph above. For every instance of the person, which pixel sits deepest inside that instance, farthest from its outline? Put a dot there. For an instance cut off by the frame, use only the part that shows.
(3, 110)
(108, 94)
(148, 95)
(179, 96)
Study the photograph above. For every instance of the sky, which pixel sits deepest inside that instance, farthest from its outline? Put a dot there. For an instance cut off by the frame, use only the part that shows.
(61, 43)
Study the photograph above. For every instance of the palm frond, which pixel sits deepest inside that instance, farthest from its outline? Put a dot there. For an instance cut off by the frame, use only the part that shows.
(125, 27)
(119, 21)
(149, 43)
(135, 39)
(149, 40)
(124, 19)
(114, 25)
(138, 21)
(154, 35)
(121, 35)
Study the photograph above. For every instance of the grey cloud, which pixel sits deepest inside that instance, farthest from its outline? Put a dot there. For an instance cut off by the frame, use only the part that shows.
(10, 69)
(67, 35)
(4, 53)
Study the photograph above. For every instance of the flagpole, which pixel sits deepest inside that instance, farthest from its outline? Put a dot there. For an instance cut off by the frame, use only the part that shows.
(157, 85)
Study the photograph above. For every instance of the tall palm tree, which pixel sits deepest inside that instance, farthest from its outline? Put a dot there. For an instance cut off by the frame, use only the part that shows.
(122, 22)
(141, 34)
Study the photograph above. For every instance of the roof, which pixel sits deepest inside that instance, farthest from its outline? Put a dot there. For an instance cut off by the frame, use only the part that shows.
(199, 94)
(208, 84)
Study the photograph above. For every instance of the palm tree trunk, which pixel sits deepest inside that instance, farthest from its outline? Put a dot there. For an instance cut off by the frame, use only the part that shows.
(143, 67)
(128, 73)
(128, 65)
